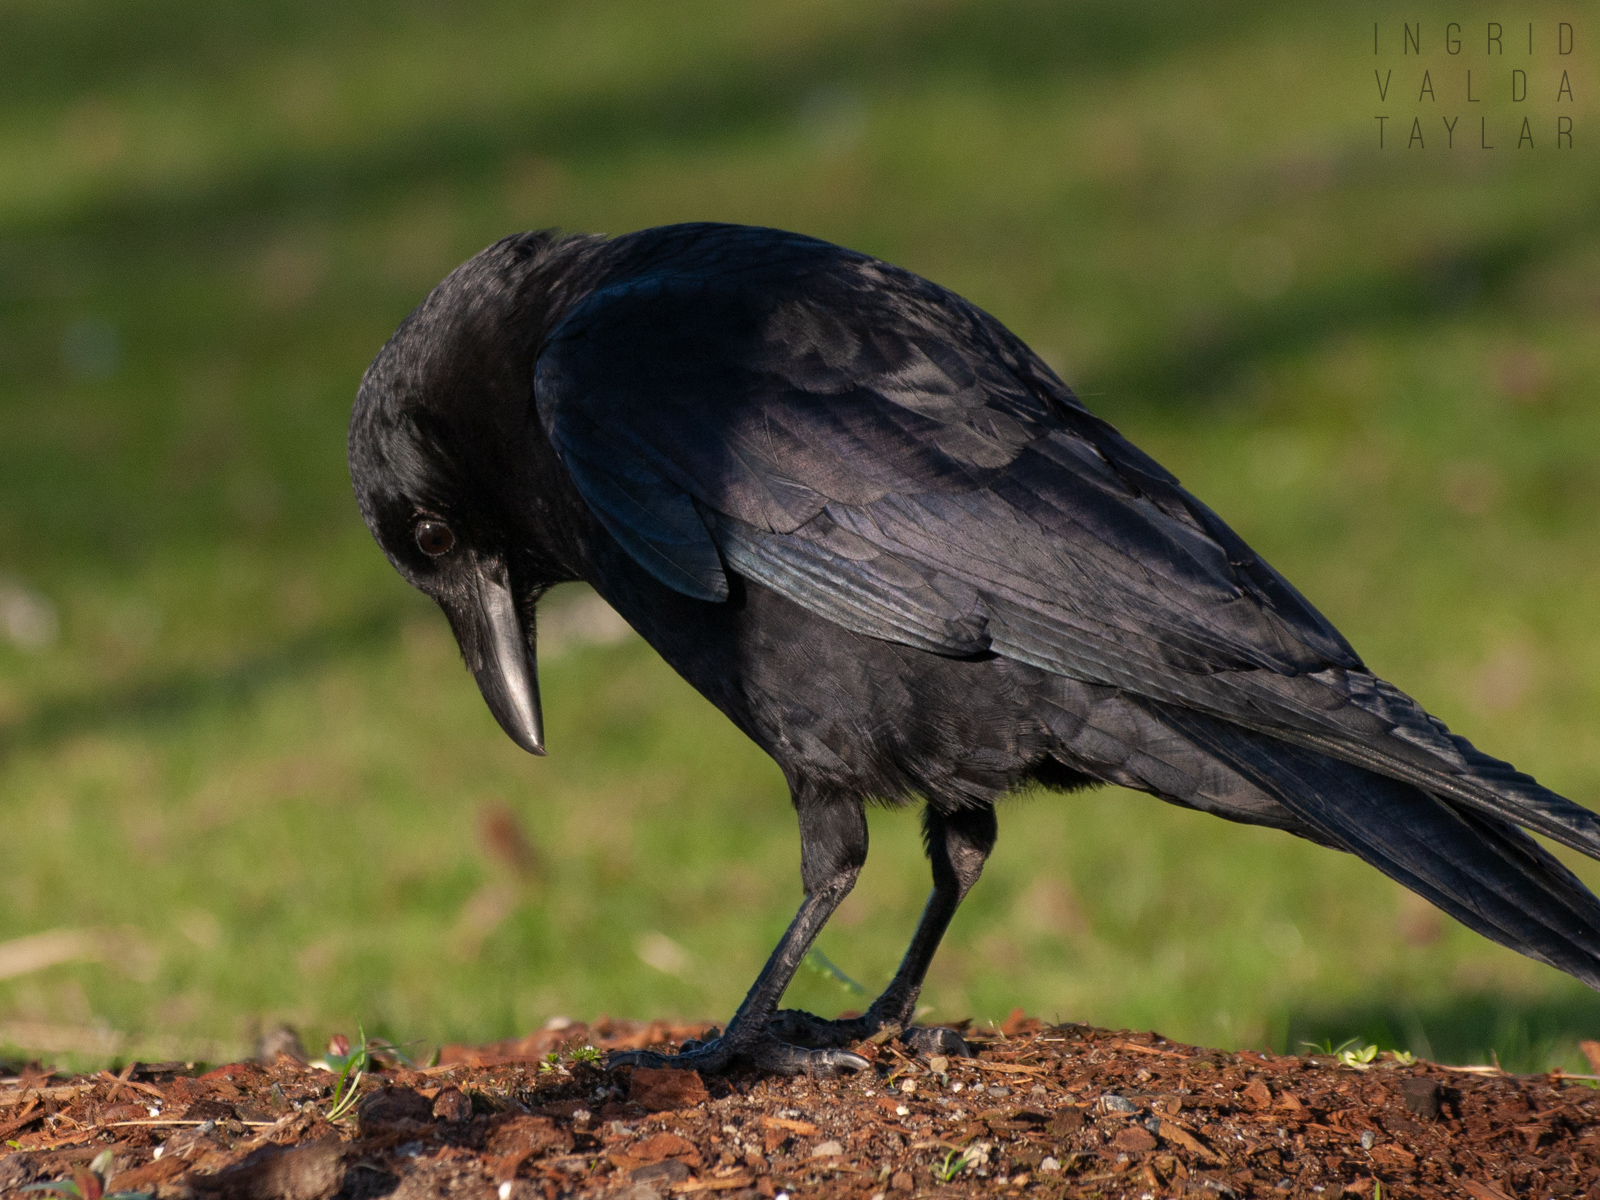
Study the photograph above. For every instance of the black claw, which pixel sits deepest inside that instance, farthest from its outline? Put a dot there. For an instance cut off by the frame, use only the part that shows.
(784, 1059)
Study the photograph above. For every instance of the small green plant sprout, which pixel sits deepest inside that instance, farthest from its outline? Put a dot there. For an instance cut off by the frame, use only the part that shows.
(1360, 1059)
(87, 1184)
(551, 1063)
(589, 1055)
(954, 1163)
(819, 962)
(1357, 1058)
(372, 1050)
(358, 1059)
(1404, 1057)
(347, 1060)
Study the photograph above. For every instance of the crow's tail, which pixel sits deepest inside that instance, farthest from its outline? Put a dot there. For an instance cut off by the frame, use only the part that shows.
(1480, 868)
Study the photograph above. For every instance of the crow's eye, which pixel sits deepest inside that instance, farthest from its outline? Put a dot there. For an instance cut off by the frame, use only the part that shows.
(434, 538)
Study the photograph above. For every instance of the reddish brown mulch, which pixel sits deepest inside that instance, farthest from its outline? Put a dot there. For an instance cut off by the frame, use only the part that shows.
(1043, 1111)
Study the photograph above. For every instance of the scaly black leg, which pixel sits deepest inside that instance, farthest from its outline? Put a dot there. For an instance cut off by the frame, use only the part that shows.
(833, 845)
(958, 845)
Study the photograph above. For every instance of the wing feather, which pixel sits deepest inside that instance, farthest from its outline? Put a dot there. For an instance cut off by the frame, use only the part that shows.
(893, 459)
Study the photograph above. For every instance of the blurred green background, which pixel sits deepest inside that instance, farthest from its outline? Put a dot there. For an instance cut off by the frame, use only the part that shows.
(244, 779)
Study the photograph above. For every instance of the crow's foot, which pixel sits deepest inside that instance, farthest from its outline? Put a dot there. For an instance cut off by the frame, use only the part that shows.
(762, 1051)
(804, 1029)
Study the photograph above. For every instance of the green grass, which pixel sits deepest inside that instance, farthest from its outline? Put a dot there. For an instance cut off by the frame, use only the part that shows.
(253, 755)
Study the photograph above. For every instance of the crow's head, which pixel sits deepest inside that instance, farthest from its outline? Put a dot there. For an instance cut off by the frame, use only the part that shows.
(445, 451)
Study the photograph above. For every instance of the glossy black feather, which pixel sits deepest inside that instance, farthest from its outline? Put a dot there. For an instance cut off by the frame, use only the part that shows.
(891, 458)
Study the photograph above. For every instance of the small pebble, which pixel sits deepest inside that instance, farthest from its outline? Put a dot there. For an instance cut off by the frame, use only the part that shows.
(901, 1110)
(956, 1087)
(505, 1190)
(1366, 1139)
(1116, 1104)
(827, 1150)
(908, 1086)
(997, 1090)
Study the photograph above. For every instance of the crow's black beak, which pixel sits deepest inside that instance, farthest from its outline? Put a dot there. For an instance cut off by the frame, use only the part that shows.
(501, 657)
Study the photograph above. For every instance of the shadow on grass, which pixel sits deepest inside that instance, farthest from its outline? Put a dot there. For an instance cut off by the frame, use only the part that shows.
(1003, 45)
(1524, 1034)
(1403, 297)
(58, 53)
(183, 695)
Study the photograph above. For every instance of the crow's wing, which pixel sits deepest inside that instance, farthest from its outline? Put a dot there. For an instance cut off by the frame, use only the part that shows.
(858, 402)
(892, 458)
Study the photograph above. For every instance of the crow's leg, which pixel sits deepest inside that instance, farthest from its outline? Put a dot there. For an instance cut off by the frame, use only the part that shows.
(958, 845)
(833, 845)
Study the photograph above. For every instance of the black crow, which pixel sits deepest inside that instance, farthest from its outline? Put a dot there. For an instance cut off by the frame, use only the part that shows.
(878, 533)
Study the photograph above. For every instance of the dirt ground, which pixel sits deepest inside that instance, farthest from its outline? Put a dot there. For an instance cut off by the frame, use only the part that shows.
(1041, 1111)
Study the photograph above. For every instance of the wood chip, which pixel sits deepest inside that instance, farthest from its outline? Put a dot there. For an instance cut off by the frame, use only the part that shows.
(1138, 1049)
(27, 1116)
(65, 1091)
(730, 1183)
(1591, 1051)
(1173, 1132)
(805, 1128)
(664, 1088)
